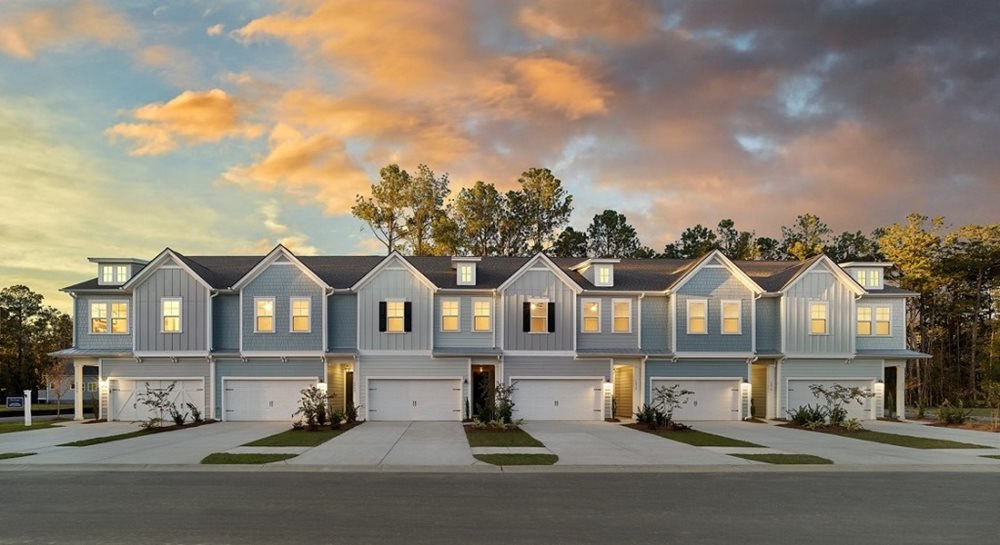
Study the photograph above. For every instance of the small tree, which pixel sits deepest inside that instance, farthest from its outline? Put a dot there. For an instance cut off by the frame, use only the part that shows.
(991, 389)
(158, 401)
(668, 399)
(504, 402)
(836, 397)
(52, 375)
(312, 407)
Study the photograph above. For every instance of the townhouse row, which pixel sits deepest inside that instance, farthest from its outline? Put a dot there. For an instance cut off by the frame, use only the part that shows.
(422, 338)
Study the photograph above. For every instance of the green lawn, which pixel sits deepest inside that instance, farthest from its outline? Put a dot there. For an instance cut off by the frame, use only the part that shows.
(11, 427)
(9, 455)
(513, 438)
(702, 439)
(66, 408)
(518, 459)
(227, 458)
(123, 436)
(994, 456)
(297, 438)
(905, 440)
(784, 458)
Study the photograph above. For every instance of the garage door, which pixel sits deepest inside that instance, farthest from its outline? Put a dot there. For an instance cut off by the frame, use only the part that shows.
(263, 399)
(711, 400)
(123, 397)
(799, 394)
(559, 399)
(414, 399)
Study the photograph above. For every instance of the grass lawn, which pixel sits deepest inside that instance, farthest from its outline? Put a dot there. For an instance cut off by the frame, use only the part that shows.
(905, 440)
(9, 455)
(518, 459)
(129, 435)
(11, 427)
(698, 438)
(512, 438)
(297, 438)
(784, 458)
(227, 458)
(994, 456)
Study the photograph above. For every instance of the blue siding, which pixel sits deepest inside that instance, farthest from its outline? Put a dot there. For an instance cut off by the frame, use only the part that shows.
(465, 337)
(554, 366)
(714, 285)
(263, 368)
(607, 338)
(897, 325)
(656, 328)
(282, 281)
(342, 322)
(84, 339)
(226, 323)
(768, 325)
(693, 369)
(395, 281)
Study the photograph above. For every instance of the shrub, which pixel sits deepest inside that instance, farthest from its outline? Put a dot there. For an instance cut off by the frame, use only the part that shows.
(151, 423)
(351, 413)
(808, 416)
(953, 414)
(504, 401)
(336, 417)
(312, 406)
(177, 416)
(992, 390)
(195, 413)
(157, 400)
(667, 399)
(836, 397)
(853, 424)
(646, 415)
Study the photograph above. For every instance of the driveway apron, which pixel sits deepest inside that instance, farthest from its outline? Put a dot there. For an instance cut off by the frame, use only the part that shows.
(394, 443)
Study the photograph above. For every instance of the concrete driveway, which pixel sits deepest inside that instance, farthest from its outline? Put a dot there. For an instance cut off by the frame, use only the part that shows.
(394, 443)
(604, 443)
(31, 441)
(916, 429)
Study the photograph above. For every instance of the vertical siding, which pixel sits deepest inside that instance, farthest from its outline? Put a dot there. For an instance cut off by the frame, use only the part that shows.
(263, 368)
(226, 323)
(607, 338)
(465, 337)
(395, 283)
(897, 326)
(342, 322)
(656, 328)
(81, 321)
(714, 285)
(157, 368)
(171, 282)
(538, 283)
(283, 281)
(818, 285)
(768, 325)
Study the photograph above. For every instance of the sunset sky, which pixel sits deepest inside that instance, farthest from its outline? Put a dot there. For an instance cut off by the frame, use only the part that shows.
(226, 127)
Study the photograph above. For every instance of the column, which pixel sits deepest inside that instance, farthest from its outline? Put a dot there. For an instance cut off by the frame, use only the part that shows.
(80, 389)
(901, 391)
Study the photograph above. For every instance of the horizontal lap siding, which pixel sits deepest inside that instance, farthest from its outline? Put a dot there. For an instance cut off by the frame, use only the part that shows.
(157, 368)
(410, 366)
(282, 281)
(84, 339)
(465, 337)
(263, 368)
(715, 285)
(343, 322)
(607, 338)
(824, 369)
(544, 284)
(656, 328)
(167, 282)
(897, 326)
(527, 366)
(226, 326)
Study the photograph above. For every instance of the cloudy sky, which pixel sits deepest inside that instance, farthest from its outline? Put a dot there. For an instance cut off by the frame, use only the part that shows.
(226, 127)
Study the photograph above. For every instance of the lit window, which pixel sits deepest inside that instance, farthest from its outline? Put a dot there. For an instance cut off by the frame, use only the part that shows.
(449, 315)
(170, 311)
(539, 317)
(874, 278)
(732, 317)
(818, 318)
(862, 277)
(603, 275)
(622, 315)
(119, 317)
(864, 321)
(466, 274)
(264, 315)
(91, 386)
(121, 274)
(481, 311)
(394, 312)
(591, 316)
(883, 318)
(301, 322)
(98, 318)
(697, 318)
(108, 274)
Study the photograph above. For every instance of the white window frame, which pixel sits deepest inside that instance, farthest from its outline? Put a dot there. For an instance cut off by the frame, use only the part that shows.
(291, 314)
(457, 315)
(544, 303)
(875, 278)
(107, 274)
(584, 303)
(107, 317)
(826, 317)
(876, 321)
(688, 305)
(614, 305)
(489, 307)
(111, 317)
(861, 275)
(389, 317)
(458, 272)
(180, 315)
(274, 315)
(739, 316)
(121, 274)
(870, 321)
(597, 275)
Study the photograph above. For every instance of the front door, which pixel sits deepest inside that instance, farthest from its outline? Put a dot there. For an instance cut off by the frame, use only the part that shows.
(349, 389)
(483, 385)
(624, 377)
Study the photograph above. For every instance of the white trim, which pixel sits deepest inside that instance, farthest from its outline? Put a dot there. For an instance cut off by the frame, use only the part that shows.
(512, 378)
(826, 320)
(687, 316)
(291, 313)
(368, 379)
(174, 354)
(549, 265)
(753, 324)
(597, 275)
(282, 354)
(818, 356)
(385, 263)
(325, 334)
(268, 260)
(714, 355)
(540, 353)
(222, 387)
(211, 391)
(442, 301)
(584, 302)
(489, 303)
(428, 353)
(673, 322)
(241, 321)
(725, 261)
(531, 317)
(180, 315)
(739, 316)
(157, 263)
(108, 316)
(833, 268)
(274, 314)
(111, 408)
(458, 273)
(873, 321)
(615, 302)
(638, 325)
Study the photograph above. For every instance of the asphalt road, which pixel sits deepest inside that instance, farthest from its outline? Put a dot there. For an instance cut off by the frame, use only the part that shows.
(277, 508)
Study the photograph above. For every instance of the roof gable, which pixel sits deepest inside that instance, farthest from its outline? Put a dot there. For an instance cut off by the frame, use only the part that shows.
(167, 257)
(716, 258)
(394, 257)
(279, 254)
(547, 263)
(822, 261)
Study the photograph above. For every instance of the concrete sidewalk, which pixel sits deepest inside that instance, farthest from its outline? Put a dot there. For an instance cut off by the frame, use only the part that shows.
(69, 431)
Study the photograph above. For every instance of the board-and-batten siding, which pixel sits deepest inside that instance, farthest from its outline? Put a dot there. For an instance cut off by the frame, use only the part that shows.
(263, 368)
(373, 367)
(226, 323)
(817, 286)
(171, 282)
(897, 325)
(102, 341)
(538, 284)
(656, 328)
(342, 322)
(768, 325)
(607, 338)
(153, 368)
(465, 337)
(282, 281)
(395, 282)
(714, 284)
(792, 369)
(692, 369)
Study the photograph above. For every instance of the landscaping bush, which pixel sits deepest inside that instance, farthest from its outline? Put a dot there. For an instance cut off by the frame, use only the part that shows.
(312, 406)
(853, 424)
(336, 418)
(195, 413)
(158, 401)
(666, 400)
(646, 415)
(953, 414)
(351, 413)
(504, 402)
(836, 396)
(808, 415)
(177, 416)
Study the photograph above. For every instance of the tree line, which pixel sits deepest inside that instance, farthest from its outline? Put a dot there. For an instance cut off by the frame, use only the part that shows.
(29, 331)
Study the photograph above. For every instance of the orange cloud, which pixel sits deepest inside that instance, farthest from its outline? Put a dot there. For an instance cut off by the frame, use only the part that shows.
(195, 116)
(31, 31)
(561, 86)
(611, 20)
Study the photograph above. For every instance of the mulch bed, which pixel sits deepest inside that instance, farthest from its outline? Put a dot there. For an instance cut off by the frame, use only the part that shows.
(647, 427)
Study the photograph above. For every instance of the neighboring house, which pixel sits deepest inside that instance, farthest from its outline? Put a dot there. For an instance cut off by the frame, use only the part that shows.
(421, 338)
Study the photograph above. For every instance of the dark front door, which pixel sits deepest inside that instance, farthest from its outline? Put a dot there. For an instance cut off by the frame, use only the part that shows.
(483, 382)
(348, 389)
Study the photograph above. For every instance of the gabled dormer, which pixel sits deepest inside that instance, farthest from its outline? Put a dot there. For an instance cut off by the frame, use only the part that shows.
(598, 271)
(115, 271)
(870, 274)
(465, 270)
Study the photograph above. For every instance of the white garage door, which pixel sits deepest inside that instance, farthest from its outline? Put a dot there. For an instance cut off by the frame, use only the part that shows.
(263, 399)
(712, 399)
(414, 399)
(559, 399)
(800, 394)
(124, 397)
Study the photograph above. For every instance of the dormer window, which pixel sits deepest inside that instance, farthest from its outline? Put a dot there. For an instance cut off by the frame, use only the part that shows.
(108, 274)
(466, 274)
(604, 275)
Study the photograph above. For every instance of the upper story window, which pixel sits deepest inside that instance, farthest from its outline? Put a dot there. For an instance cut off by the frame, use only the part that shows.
(263, 314)
(869, 278)
(119, 317)
(604, 275)
(697, 316)
(301, 309)
(539, 317)
(732, 317)
(466, 274)
(114, 274)
(449, 315)
(819, 318)
(107, 274)
(883, 320)
(865, 321)
(591, 315)
(394, 316)
(121, 273)
(482, 315)
(875, 321)
(98, 318)
(170, 315)
(622, 319)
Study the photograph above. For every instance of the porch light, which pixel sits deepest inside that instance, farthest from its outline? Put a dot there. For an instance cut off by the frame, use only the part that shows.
(321, 386)
(105, 385)
(879, 387)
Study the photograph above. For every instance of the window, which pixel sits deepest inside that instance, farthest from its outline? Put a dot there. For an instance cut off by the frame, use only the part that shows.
(170, 312)
(91, 386)
(732, 317)
(107, 274)
(394, 313)
(883, 319)
(481, 315)
(539, 317)
(697, 316)
(98, 318)
(449, 315)
(591, 315)
(622, 319)
(263, 314)
(603, 275)
(119, 318)
(121, 274)
(864, 321)
(300, 308)
(466, 274)
(862, 277)
(818, 318)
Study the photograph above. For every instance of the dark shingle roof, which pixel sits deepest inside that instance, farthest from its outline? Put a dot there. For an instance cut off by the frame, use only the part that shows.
(490, 271)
